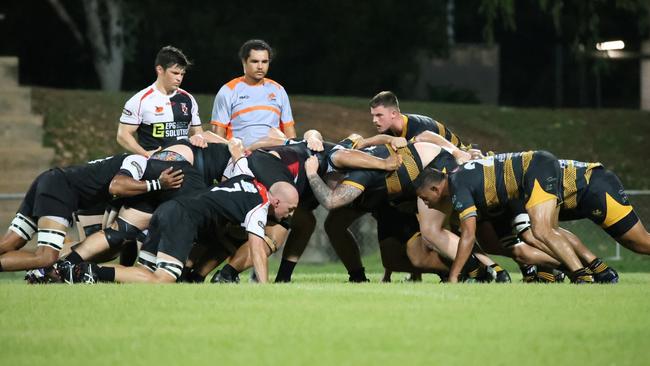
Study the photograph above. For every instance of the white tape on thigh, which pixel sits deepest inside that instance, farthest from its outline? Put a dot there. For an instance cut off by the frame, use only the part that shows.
(23, 226)
(60, 220)
(51, 238)
(172, 268)
(148, 260)
(521, 223)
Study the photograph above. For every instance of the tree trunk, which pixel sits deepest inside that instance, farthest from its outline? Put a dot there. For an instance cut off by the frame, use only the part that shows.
(106, 41)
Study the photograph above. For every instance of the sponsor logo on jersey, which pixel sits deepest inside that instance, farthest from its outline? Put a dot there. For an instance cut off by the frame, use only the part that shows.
(597, 212)
(184, 108)
(244, 97)
(261, 224)
(126, 112)
(271, 96)
(159, 109)
(138, 168)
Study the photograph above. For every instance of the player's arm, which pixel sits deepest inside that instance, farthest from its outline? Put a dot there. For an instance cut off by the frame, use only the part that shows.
(128, 181)
(342, 195)
(126, 139)
(221, 112)
(373, 141)
(432, 137)
(465, 246)
(355, 159)
(259, 252)
(290, 131)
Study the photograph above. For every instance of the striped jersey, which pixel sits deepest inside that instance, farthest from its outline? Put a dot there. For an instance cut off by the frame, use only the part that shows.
(162, 118)
(249, 111)
(415, 124)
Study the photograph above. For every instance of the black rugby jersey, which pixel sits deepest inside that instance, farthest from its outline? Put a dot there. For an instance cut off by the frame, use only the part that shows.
(415, 124)
(92, 179)
(240, 199)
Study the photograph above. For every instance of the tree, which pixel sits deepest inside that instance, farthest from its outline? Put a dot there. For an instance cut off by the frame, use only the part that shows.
(104, 20)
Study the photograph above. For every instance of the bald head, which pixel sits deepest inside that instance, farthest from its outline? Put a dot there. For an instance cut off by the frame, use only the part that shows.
(284, 199)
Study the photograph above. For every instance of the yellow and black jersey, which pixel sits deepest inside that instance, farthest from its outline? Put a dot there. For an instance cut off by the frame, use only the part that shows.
(415, 124)
(397, 185)
(482, 186)
(575, 180)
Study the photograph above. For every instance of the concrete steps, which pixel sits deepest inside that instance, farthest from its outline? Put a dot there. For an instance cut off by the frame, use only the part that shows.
(21, 141)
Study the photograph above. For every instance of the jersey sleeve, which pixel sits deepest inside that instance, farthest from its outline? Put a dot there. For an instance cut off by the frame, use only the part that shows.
(131, 111)
(358, 178)
(462, 201)
(221, 109)
(133, 166)
(286, 119)
(255, 221)
(196, 120)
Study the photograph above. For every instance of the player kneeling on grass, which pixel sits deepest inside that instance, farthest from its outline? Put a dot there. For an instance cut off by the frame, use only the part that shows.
(176, 223)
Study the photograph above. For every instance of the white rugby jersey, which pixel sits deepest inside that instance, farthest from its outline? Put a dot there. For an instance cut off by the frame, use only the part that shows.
(162, 118)
(249, 111)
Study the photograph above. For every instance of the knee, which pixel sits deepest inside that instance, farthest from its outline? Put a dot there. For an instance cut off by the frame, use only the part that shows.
(47, 257)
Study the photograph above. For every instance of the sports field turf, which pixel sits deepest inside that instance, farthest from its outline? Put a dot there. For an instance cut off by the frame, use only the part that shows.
(321, 320)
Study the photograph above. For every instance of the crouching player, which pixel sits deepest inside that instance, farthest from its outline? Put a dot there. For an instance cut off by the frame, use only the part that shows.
(175, 225)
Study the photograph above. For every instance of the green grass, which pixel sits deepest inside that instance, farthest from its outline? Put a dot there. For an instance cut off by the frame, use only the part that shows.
(320, 320)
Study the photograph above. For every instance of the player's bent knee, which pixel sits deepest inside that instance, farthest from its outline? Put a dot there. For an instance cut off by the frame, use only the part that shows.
(124, 233)
(168, 270)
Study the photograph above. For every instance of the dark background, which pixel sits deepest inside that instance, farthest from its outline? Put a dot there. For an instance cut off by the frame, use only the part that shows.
(339, 47)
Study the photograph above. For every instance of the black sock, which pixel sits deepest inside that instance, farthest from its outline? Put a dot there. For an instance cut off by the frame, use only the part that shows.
(74, 258)
(471, 267)
(358, 275)
(0, 266)
(195, 278)
(106, 274)
(229, 271)
(285, 271)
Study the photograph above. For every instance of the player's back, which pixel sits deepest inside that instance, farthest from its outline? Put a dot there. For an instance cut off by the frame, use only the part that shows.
(92, 179)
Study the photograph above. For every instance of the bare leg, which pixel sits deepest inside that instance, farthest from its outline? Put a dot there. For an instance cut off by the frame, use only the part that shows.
(424, 258)
(44, 256)
(637, 239)
(11, 241)
(543, 217)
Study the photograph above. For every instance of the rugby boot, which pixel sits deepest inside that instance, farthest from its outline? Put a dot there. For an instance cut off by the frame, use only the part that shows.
(220, 277)
(581, 276)
(358, 276)
(65, 271)
(528, 273)
(86, 272)
(545, 275)
(36, 276)
(501, 274)
(602, 272)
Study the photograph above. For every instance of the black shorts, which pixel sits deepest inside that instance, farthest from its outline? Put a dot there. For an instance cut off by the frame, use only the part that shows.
(50, 195)
(171, 231)
(393, 223)
(605, 203)
(542, 179)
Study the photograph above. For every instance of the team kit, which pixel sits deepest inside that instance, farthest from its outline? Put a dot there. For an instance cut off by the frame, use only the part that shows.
(183, 201)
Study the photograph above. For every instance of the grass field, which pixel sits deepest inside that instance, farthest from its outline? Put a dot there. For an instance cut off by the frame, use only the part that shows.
(321, 320)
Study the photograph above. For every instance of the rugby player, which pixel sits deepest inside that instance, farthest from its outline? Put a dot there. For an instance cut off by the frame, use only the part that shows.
(175, 224)
(162, 112)
(57, 193)
(481, 185)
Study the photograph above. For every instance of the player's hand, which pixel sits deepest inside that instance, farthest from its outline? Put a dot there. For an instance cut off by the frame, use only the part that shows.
(199, 141)
(311, 165)
(475, 154)
(392, 162)
(462, 157)
(171, 179)
(151, 152)
(236, 148)
(398, 142)
(314, 144)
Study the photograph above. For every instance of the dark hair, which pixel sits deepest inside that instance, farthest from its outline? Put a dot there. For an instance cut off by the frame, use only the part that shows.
(428, 177)
(386, 99)
(169, 56)
(254, 44)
